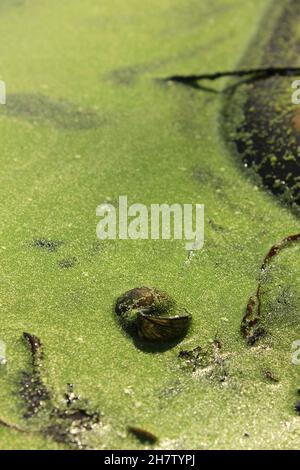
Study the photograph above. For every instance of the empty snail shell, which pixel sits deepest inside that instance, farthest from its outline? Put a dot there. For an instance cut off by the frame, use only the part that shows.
(151, 314)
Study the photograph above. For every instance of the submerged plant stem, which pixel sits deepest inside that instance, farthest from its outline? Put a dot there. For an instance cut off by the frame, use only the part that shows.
(253, 309)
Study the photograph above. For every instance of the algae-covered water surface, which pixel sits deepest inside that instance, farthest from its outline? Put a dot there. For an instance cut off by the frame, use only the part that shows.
(139, 342)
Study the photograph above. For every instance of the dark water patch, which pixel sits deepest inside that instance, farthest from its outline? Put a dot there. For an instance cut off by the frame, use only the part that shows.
(71, 420)
(33, 391)
(46, 244)
(259, 116)
(209, 362)
(194, 358)
(256, 334)
(67, 263)
(66, 423)
(269, 139)
(216, 227)
(126, 76)
(42, 110)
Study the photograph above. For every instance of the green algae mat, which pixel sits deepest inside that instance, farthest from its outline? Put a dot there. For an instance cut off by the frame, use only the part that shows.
(92, 112)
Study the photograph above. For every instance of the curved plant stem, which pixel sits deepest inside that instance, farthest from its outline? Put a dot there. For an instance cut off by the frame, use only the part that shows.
(253, 309)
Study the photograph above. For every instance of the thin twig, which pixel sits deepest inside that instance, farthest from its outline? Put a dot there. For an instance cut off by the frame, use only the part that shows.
(268, 71)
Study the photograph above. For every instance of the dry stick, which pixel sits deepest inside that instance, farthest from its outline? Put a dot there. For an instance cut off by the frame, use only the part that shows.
(35, 346)
(268, 71)
(247, 322)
